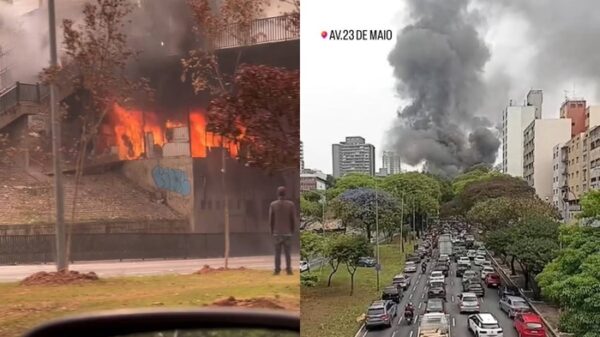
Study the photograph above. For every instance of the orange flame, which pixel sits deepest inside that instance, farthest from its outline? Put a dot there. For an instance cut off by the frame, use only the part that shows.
(130, 126)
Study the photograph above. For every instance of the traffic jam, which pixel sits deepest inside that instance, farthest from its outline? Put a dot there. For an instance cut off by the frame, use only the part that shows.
(449, 287)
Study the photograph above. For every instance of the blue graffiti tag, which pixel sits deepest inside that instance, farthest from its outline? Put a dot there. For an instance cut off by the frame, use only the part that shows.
(171, 179)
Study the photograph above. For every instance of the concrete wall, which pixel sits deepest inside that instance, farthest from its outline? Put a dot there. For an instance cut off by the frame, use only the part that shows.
(101, 227)
(250, 191)
(517, 119)
(171, 176)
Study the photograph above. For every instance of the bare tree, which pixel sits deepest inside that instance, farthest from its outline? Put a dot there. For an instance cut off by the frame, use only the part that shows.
(94, 67)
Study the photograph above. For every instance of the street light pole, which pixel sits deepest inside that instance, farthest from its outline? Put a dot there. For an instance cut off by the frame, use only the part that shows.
(402, 222)
(61, 238)
(377, 232)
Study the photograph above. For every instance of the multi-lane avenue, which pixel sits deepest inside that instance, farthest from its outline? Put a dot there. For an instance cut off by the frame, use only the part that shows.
(417, 294)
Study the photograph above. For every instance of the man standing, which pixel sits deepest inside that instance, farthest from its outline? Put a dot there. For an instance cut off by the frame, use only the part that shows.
(282, 219)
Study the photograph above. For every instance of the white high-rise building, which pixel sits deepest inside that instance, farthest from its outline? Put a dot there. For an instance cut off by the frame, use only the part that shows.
(353, 156)
(514, 121)
(391, 163)
(539, 140)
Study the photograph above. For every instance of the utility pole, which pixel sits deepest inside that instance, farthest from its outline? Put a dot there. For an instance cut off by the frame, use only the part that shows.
(59, 198)
(402, 222)
(377, 232)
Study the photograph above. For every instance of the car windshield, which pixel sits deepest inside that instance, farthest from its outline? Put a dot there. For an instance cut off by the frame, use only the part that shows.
(390, 290)
(534, 326)
(469, 298)
(469, 273)
(437, 284)
(430, 322)
(434, 305)
(375, 311)
(520, 304)
(489, 325)
(410, 264)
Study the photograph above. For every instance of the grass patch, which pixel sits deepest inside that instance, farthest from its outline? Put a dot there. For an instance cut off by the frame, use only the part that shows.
(23, 307)
(331, 311)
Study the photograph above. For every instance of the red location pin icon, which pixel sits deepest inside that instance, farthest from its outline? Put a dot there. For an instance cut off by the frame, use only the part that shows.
(324, 34)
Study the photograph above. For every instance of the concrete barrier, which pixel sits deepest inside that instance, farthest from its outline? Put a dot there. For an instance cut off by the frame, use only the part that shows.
(508, 280)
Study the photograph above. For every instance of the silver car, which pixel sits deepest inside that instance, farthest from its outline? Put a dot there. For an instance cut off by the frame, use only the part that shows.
(513, 304)
(468, 302)
(410, 267)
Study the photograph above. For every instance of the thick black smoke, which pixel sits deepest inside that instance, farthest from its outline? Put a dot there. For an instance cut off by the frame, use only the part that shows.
(438, 61)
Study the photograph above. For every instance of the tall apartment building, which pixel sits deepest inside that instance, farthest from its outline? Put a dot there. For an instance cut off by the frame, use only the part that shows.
(514, 121)
(391, 163)
(535, 98)
(353, 155)
(594, 157)
(559, 176)
(539, 139)
(575, 110)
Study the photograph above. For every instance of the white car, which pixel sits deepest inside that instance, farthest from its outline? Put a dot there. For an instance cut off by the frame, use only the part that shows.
(471, 254)
(437, 276)
(304, 266)
(486, 270)
(484, 325)
(479, 259)
(486, 263)
(464, 259)
(410, 267)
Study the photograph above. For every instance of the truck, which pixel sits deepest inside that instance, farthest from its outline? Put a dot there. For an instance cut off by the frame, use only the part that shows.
(434, 325)
(445, 245)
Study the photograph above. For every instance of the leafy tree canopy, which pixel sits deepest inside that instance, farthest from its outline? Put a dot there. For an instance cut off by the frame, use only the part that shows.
(350, 181)
(572, 280)
(492, 214)
(590, 205)
(421, 189)
(492, 187)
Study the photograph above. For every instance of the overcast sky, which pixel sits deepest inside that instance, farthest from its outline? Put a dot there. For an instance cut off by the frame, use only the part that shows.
(348, 89)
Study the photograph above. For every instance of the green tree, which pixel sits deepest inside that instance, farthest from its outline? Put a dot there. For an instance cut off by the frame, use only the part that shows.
(493, 187)
(361, 207)
(491, 214)
(572, 280)
(473, 174)
(312, 245)
(348, 182)
(348, 250)
(311, 207)
(590, 205)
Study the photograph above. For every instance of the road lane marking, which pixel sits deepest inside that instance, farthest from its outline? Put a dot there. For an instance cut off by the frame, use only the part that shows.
(453, 322)
(400, 320)
(452, 298)
(420, 304)
(423, 295)
(411, 295)
(411, 333)
(364, 333)
(393, 333)
(359, 330)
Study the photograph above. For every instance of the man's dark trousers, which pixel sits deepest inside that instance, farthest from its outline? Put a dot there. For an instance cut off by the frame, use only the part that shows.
(285, 242)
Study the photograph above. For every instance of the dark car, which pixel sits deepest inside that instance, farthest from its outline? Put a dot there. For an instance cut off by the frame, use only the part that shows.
(391, 293)
(441, 267)
(474, 286)
(436, 290)
(381, 313)
(368, 262)
(414, 257)
(507, 290)
(461, 268)
(435, 305)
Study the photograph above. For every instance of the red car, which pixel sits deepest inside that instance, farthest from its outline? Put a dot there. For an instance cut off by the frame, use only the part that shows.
(529, 324)
(492, 280)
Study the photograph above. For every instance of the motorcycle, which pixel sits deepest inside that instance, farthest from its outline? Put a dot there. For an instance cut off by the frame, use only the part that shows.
(408, 317)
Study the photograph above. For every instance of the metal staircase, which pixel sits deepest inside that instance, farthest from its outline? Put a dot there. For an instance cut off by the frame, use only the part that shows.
(22, 99)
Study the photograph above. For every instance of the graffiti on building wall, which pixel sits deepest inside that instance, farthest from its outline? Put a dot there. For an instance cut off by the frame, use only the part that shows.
(171, 179)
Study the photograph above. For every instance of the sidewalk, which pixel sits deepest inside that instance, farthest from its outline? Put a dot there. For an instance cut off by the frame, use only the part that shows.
(140, 268)
(550, 312)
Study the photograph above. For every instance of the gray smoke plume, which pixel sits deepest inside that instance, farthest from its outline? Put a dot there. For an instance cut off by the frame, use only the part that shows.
(564, 36)
(438, 61)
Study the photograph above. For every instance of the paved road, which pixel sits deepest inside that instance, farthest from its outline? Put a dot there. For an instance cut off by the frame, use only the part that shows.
(139, 268)
(417, 294)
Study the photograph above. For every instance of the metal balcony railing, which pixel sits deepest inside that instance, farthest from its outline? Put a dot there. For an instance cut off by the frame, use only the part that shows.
(22, 92)
(267, 30)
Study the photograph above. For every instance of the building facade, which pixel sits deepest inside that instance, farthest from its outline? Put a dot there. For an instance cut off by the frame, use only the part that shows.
(539, 139)
(391, 162)
(559, 176)
(535, 98)
(353, 155)
(313, 181)
(575, 110)
(514, 121)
